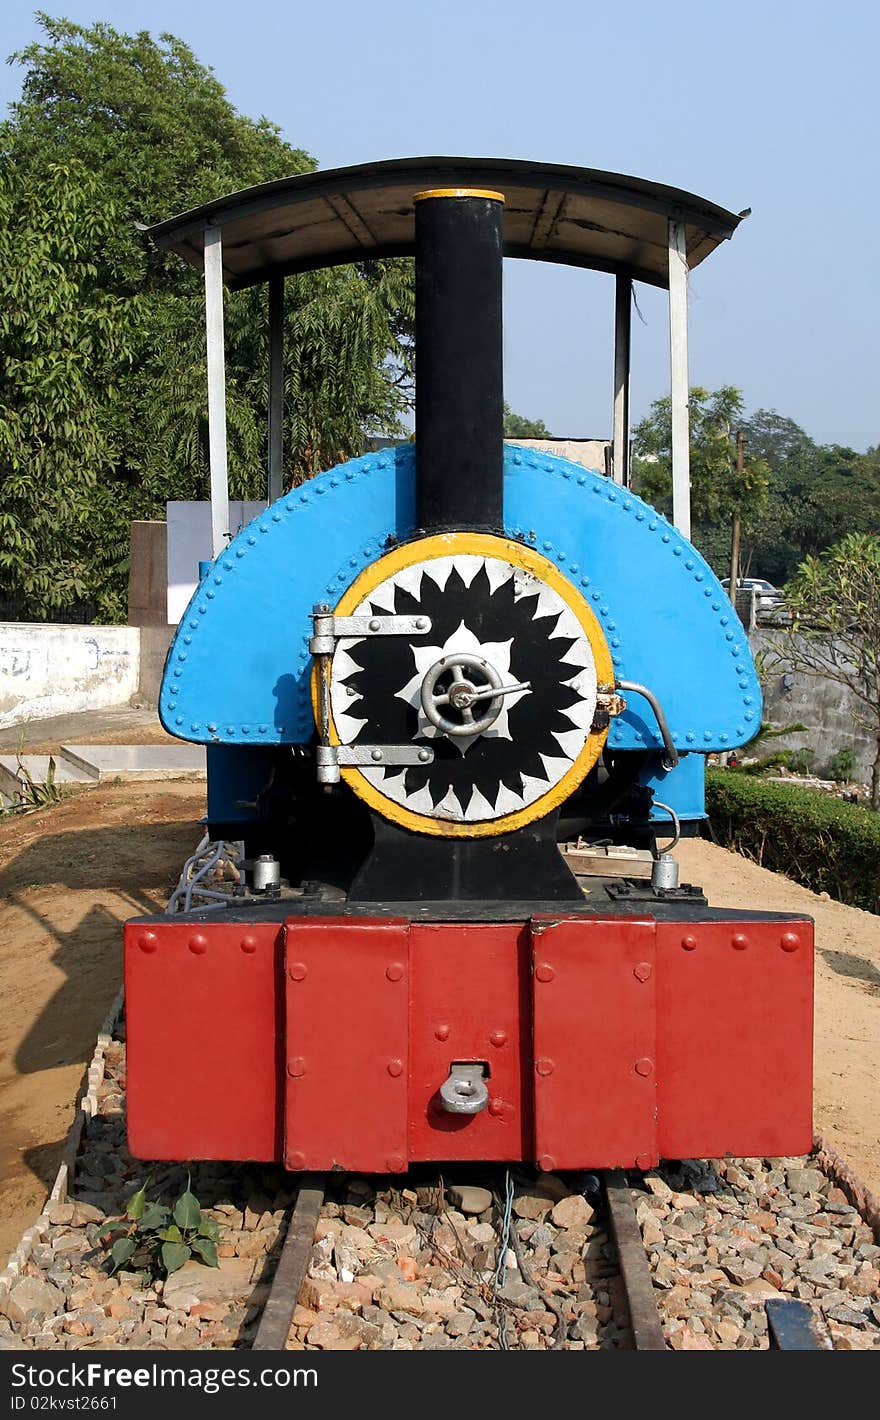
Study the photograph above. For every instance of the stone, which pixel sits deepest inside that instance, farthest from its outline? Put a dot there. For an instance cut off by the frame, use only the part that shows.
(658, 1186)
(652, 1234)
(532, 1205)
(470, 1199)
(686, 1338)
(460, 1324)
(31, 1294)
(87, 1213)
(517, 1292)
(68, 1242)
(684, 1200)
(232, 1279)
(401, 1297)
(572, 1212)
(862, 1284)
(848, 1316)
(481, 1232)
(741, 1271)
(319, 1294)
(395, 1232)
(60, 1214)
(758, 1289)
(728, 1332)
(805, 1180)
(585, 1328)
(327, 1337)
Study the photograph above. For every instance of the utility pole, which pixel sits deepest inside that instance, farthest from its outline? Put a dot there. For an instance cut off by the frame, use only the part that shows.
(737, 526)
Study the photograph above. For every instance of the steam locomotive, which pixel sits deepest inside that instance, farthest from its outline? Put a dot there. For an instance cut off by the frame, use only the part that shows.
(416, 674)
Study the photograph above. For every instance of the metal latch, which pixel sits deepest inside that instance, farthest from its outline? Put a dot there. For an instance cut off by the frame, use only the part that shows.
(329, 629)
(464, 1090)
(608, 705)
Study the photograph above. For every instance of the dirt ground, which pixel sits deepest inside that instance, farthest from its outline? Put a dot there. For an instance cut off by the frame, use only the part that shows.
(72, 873)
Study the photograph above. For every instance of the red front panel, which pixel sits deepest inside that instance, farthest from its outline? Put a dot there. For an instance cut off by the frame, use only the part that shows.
(607, 1041)
(735, 1038)
(346, 1061)
(595, 1076)
(203, 1040)
(470, 1000)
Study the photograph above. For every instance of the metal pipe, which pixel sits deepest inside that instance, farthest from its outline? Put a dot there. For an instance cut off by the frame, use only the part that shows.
(622, 333)
(678, 360)
(216, 390)
(276, 387)
(459, 368)
(670, 758)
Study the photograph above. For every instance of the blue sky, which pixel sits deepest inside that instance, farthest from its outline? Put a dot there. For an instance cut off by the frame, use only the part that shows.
(767, 105)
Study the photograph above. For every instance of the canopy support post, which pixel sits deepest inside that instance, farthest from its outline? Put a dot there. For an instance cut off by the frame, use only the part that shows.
(678, 359)
(216, 390)
(622, 331)
(276, 387)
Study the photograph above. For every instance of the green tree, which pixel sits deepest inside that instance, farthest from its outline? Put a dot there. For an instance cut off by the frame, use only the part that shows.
(516, 426)
(835, 634)
(718, 494)
(156, 134)
(65, 345)
(816, 495)
(715, 490)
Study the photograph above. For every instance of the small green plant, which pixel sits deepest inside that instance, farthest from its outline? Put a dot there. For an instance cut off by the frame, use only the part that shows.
(33, 793)
(841, 766)
(161, 1239)
(800, 761)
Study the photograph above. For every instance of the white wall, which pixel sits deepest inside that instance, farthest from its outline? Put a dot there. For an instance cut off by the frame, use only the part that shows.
(56, 670)
(189, 542)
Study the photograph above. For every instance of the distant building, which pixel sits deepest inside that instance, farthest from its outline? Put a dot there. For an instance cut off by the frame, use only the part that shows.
(589, 453)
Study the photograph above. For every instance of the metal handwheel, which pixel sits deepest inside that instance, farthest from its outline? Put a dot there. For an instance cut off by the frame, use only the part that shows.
(463, 691)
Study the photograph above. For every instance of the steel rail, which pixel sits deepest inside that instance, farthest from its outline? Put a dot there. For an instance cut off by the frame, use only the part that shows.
(280, 1306)
(636, 1274)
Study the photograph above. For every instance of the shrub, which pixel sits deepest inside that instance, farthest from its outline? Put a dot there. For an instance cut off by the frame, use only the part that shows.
(841, 765)
(819, 841)
(800, 761)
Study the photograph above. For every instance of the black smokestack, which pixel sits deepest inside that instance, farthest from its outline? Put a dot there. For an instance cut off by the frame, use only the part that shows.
(459, 367)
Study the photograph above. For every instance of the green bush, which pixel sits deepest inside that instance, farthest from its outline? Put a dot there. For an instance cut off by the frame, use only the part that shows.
(842, 765)
(800, 761)
(822, 842)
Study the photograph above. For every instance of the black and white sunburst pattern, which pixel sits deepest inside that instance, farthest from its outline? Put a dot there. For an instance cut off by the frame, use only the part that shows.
(526, 630)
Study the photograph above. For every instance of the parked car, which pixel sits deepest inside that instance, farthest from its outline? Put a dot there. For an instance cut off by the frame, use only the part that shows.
(769, 600)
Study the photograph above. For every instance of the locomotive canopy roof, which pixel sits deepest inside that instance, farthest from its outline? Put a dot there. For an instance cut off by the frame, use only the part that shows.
(574, 216)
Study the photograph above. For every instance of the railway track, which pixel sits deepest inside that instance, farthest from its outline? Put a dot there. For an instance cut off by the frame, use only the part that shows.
(685, 1257)
(790, 1322)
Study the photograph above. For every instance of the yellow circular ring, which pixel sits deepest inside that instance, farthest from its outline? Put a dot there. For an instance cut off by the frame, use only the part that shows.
(459, 192)
(483, 545)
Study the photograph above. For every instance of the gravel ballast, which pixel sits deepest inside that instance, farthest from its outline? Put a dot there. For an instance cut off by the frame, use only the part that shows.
(418, 1263)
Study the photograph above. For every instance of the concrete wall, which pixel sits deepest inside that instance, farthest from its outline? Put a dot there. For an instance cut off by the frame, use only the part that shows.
(56, 670)
(148, 574)
(826, 708)
(155, 641)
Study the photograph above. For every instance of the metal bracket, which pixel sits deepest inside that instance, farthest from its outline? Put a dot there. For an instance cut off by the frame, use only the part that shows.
(330, 758)
(329, 628)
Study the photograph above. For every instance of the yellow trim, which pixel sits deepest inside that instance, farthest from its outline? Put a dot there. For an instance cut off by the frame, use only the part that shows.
(459, 192)
(483, 545)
